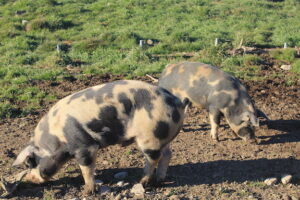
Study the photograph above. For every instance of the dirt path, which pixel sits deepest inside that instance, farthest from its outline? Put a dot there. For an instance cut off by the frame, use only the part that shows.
(200, 168)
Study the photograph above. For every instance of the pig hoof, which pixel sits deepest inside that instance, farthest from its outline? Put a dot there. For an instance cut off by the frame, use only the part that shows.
(88, 191)
(148, 182)
(216, 140)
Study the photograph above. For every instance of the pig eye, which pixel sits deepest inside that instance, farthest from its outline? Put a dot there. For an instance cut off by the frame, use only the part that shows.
(31, 162)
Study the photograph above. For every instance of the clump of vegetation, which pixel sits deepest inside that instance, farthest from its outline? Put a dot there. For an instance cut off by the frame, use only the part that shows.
(104, 36)
(285, 55)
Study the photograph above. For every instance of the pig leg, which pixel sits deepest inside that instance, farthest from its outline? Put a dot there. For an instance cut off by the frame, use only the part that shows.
(214, 116)
(163, 163)
(152, 158)
(87, 160)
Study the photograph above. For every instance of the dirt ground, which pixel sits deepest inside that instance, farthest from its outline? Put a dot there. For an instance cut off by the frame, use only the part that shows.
(199, 169)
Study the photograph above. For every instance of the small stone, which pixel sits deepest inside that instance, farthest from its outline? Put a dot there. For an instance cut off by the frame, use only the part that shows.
(286, 197)
(150, 42)
(167, 192)
(286, 67)
(285, 179)
(295, 198)
(270, 181)
(137, 189)
(104, 189)
(174, 197)
(120, 183)
(118, 197)
(105, 162)
(98, 182)
(252, 197)
(24, 22)
(121, 175)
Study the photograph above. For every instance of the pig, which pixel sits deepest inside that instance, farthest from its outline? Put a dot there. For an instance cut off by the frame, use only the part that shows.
(218, 92)
(119, 112)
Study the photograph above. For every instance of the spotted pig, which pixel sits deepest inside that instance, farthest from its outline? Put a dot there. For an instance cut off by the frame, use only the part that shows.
(209, 87)
(113, 113)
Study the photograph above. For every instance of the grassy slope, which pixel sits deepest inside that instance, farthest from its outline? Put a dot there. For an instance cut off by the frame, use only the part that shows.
(103, 36)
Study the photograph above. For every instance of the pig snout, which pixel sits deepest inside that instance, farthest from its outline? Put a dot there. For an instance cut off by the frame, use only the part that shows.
(247, 134)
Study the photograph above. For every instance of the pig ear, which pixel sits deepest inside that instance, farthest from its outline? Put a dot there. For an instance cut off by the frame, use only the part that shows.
(24, 155)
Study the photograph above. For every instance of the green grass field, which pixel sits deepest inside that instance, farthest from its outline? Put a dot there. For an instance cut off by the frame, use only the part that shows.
(41, 39)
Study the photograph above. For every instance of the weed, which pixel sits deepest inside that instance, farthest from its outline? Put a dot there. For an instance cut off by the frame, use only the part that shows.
(48, 195)
(129, 152)
(286, 55)
(256, 184)
(296, 66)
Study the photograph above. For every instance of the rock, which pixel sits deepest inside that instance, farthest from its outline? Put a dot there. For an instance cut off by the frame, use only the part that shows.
(150, 42)
(295, 198)
(120, 183)
(98, 182)
(286, 197)
(285, 179)
(105, 162)
(167, 192)
(270, 181)
(121, 175)
(24, 22)
(252, 197)
(118, 197)
(104, 189)
(174, 197)
(286, 67)
(138, 191)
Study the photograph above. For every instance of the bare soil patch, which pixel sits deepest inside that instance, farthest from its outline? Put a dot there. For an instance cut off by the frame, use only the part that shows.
(199, 169)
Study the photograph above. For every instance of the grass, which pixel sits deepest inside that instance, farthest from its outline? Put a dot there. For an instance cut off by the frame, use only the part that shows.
(39, 39)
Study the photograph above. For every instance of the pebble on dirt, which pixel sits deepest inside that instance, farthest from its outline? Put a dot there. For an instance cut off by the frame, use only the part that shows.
(285, 179)
(98, 182)
(174, 197)
(286, 67)
(104, 189)
(270, 181)
(138, 190)
(121, 175)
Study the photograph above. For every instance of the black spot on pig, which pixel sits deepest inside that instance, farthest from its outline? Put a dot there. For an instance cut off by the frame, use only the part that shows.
(107, 126)
(84, 157)
(123, 99)
(89, 93)
(175, 115)
(143, 99)
(161, 130)
(165, 91)
(31, 161)
(107, 90)
(153, 154)
(50, 164)
(77, 137)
